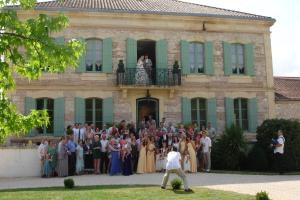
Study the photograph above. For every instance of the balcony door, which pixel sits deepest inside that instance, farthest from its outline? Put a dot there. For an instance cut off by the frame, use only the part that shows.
(145, 107)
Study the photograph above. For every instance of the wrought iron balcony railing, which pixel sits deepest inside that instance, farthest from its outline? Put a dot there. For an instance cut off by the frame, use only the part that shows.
(143, 77)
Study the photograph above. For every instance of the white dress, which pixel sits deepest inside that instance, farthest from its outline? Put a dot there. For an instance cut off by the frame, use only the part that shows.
(141, 76)
(187, 164)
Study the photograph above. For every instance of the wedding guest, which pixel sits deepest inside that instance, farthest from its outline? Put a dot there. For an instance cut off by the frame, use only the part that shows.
(112, 130)
(41, 151)
(164, 152)
(127, 170)
(104, 154)
(158, 161)
(52, 151)
(176, 142)
(182, 147)
(134, 153)
(71, 155)
(199, 152)
(187, 163)
(212, 133)
(142, 163)
(76, 130)
(47, 159)
(192, 154)
(278, 152)
(79, 159)
(115, 158)
(96, 154)
(62, 152)
(88, 155)
(206, 146)
(150, 156)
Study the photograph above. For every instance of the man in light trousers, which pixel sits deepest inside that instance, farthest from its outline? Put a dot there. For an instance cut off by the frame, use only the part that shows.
(173, 166)
(206, 147)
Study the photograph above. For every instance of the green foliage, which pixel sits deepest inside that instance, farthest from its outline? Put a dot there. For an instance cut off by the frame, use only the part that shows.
(257, 159)
(229, 149)
(262, 196)
(291, 129)
(69, 183)
(176, 184)
(28, 50)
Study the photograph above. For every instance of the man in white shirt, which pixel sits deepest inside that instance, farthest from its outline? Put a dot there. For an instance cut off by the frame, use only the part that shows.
(206, 148)
(279, 151)
(41, 151)
(173, 166)
(76, 130)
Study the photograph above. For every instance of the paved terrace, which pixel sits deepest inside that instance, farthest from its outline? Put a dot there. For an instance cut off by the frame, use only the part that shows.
(286, 187)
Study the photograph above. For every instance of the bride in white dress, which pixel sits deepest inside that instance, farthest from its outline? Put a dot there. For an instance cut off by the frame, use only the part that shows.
(141, 76)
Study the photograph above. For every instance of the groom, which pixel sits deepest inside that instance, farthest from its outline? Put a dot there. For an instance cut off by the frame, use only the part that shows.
(148, 66)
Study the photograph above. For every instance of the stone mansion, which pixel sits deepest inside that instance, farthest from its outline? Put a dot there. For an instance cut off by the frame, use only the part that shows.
(224, 57)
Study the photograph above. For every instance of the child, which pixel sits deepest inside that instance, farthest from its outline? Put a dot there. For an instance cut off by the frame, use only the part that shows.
(79, 158)
(47, 160)
(158, 163)
(187, 162)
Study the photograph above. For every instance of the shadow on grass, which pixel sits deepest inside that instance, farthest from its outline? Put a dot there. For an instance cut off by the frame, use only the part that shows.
(80, 188)
(181, 192)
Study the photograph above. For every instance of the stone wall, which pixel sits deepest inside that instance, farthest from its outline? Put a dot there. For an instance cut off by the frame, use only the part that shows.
(288, 109)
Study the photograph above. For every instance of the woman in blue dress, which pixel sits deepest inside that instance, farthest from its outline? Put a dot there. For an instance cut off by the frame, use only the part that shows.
(115, 158)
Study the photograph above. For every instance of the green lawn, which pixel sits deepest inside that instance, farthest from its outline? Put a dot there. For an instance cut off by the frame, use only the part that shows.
(119, 193)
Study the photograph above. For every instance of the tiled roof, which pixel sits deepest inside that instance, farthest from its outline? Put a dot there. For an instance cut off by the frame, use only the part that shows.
(287, 88)
(167, 7)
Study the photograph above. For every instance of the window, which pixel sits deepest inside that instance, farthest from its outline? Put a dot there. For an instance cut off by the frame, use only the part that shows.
(241, 112)
(93, 112)
(198, 109)
(237, 59)
(94, 52)
(46, 103)
(196, 55)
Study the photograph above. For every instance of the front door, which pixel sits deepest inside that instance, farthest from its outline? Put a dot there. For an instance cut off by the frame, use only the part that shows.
(145, 107)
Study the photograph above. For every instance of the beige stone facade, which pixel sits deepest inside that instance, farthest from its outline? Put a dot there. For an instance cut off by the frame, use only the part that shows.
(119, 27)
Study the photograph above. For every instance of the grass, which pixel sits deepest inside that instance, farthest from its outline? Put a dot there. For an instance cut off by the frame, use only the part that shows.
(119, 193)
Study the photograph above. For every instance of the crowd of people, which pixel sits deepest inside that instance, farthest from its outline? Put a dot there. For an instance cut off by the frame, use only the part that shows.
(125, 149)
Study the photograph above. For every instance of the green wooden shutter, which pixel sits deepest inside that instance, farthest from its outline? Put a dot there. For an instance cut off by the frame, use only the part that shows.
(208, 58)
(30, 104)
(249, 60)
(186, 110)
(107, 110)
(81, 66)
(131, 53)
(252, 114)
(185, 58)
(229, 111)
(227, 58)
(107, 55)
(60, 40)
(212, 112)
(59, 116)
(161, 51)
(79, 110)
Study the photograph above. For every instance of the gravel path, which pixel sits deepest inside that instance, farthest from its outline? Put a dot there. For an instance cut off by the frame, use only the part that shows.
(278, 187)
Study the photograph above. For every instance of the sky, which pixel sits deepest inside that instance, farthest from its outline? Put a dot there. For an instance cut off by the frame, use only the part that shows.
(285, 34)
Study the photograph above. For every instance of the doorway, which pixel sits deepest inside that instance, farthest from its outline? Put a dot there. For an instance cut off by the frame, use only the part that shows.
(145, 107)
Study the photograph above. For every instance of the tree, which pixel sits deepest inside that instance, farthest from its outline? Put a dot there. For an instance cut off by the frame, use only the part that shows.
(27, 50)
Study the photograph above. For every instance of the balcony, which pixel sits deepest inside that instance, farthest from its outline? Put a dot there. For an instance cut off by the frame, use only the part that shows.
(155, 77)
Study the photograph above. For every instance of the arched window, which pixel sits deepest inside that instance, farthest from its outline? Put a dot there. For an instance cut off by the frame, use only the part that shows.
(237, 59)
(93, 111)
(198, 111)
(196, 52)
(241, 112)
(46, 103)
(93, 61)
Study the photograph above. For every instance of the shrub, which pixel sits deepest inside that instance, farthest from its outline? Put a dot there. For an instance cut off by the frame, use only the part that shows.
(257, 159)
(176, 184)
(229, 149)
(69, 183)
(291, 129)
(262, 196)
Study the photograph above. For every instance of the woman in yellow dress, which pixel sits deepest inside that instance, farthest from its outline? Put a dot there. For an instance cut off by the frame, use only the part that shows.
(151, 156)
(192, 153)
(142, 163)
(182, 148)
